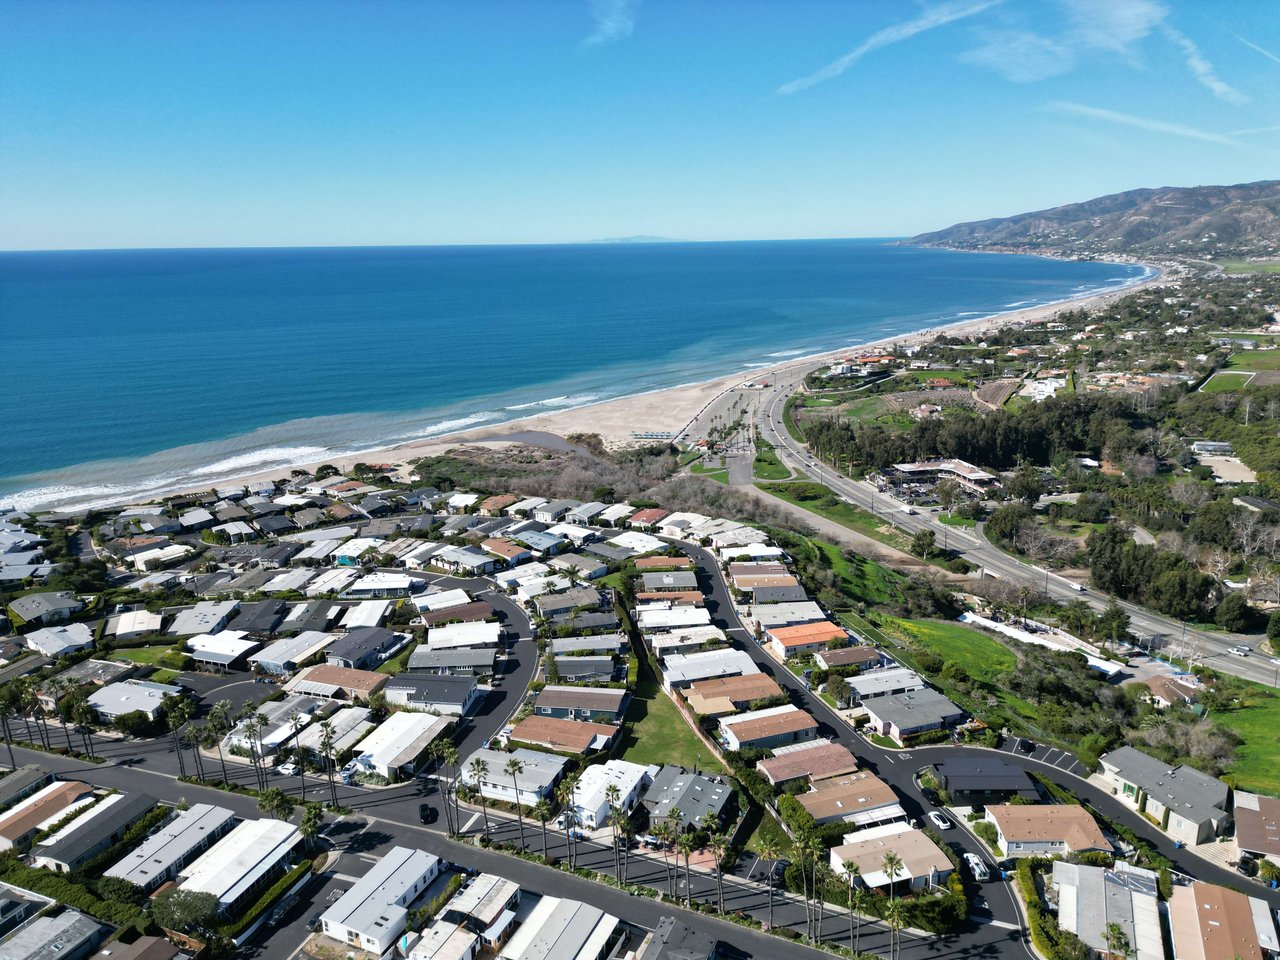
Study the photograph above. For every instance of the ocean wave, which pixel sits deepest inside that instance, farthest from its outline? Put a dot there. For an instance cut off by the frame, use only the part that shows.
(786, 353)
(261, 459)
(89, 496)
(755, 365)
(450, 426)
(1020, 303)
(571, 400)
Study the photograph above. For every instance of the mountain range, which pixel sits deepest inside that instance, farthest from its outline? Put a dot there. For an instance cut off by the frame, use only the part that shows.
(1213, 222)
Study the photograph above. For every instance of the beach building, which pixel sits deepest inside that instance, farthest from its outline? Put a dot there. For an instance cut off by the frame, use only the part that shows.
(287, 655)
(41, 810)
(694, 795)
(1091, 899)
(21, 783)
(221, 651)
(398, 746)
(487, 906)
(445, 694)
(811, 760)
(590, 794)
(92, 832)
(540, 773)
(161, 856)
(1185, 803)
(60, 640)
(243, 863)
(923, 863)
(374, 911)
(1028, 830)
(1209, 922)
(724, 695)
(129, 696)
(558, 929)
(70, 935)
(767, 729)
(596, 704)
(683, 670)
(563, 736)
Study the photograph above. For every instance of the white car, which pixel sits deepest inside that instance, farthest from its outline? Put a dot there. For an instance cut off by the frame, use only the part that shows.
(977, 867)
(939, 821)
(1240, 651)
(289, 769)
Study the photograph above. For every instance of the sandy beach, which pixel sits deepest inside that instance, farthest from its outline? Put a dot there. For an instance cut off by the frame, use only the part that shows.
(672, 410)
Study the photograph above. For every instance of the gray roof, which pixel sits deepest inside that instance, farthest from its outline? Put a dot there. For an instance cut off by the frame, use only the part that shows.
(600, 642)
(173, 845)
(432, 688)
(909, 711)
(673, 940)
(371, 905)
(459, 657)
(607, 552)
(585, 666)
(574, 597)
(587, 620)
(94, 671)
(33, 606)
(1091, 898)
(692, 793)
(24, 780)
(670, 580)
(359, 643)
(793, 594)
(1194, 795)
(47, 938)
(261, 617)
(580, 698)
(984, 772)
(84, 841)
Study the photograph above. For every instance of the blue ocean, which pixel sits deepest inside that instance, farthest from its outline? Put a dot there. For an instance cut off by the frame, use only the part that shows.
(135, 372)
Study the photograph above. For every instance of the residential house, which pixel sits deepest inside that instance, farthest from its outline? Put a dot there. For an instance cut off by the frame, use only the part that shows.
(860, 799)
(486, 908)
(1187, 804)
(922, 863)
(724, 695)
(45, 608)
(767, 729)
(240, 866)
(693, 795)
(581, 703)
(444, 694)
(458, 662)
(563, 736)
(975, 780)
(162, 855)
(811, 760)
(104, 824)
(1257, 825)
(374, 911)
(859, 657)
(883, 683)
(1093, 899)
(398, 746)
(803, 639)
(337, 683)
(591, 802)
(1209, 922)
(61, 640)
(1028, 830)
(42, 809)
(684, 670)
(901, 716)
(539, 774)
(363, 647)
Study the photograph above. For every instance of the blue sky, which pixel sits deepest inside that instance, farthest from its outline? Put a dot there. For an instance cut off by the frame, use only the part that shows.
(244, 122)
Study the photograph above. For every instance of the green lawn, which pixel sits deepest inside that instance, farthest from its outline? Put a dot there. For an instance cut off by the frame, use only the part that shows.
(149, 655)
(397, 664)
(981, 656)
(864, 580)
(718, 474)
(1226, 383)
(1258, 724)
(1246, 266)
(958, 377)
(1255, 360)
(865, 408)
(767, 466)
(164, 676)
(770, 830)
(828, 505)
(955, 520)
(657, 733)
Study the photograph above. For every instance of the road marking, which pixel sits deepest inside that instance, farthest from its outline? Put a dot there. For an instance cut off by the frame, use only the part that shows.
(470, 823)
(346, 878)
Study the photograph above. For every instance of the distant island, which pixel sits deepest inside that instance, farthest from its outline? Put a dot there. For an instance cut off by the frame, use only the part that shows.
(1240, 221)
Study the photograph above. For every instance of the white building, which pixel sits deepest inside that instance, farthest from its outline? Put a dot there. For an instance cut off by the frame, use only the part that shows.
(534, 782)
(558, 929)
(668, 616)
(162, 855)
(373, 913)
(399, 744)
(60, 640)
(243, 863)
(591, 792)
(209, 616)
(679, 670)
(454, 636)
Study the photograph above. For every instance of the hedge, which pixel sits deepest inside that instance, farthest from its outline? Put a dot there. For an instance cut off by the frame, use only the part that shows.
(1049, 938)
(71, 894)
(237, 927)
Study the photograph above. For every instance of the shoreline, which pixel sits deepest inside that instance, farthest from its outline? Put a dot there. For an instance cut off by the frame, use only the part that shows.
(669, 410)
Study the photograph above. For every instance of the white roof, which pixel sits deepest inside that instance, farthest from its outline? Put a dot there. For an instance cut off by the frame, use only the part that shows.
(288, 580)
(331, 581)
(366, 613)
(664, 616)
(294, 649)
(687, 668)
(528, 503)
(454, 635)
(241, 859)
(444, 599)
(874, 683)
(529, 571)
(637, 542)
(170, 844)
(593, 782)
(375, 904)
(528, 589)
(540, 769)
(401, 737)
(128, 695)
(228, 643)
(559, 929)
(205, 617)
(445, 941)
(756, 551)
(460, 501)
(350, 725)
(54, 641)
(684, 637)
(379, 581)
(319, 550)
(619, 511)
(138, 621)
(354, 547)
(732, 721)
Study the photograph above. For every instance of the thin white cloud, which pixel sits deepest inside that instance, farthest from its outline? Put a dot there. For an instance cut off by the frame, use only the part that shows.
(1113, 25)
(1245, 133)
(1142, 123)
(1202, 69)
(932, 18)
(1253, 46)
(615, 20)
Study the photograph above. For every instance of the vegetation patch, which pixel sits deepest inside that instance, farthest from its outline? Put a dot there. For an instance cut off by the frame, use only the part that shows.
(1226, 382)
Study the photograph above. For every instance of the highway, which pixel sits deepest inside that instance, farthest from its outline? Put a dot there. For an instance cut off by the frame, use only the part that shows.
(1210, 648)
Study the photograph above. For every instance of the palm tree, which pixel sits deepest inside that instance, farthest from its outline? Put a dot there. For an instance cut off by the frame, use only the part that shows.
(719, 845)
(859, 900)
(480, 770)
(769, 850)
(851, 871)
(814, 849)
(542, 810)
(613, 794)
(296, 723)
(220, 722)
(564, 797)
(31, 704)
(312, 823)
(177, 711)
(326, 747)
(260, 723)
(85, 717)
(821, 878)
(453, 759)
(895, 916)
(196, 734)
(892, 869)
(55, 690)
(1118, 947)
(626, 831)
(513, 769)
(273, 802)
(684, 845)
(9, 700)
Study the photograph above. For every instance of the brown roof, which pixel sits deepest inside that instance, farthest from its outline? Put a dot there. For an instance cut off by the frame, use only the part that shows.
(757, 728)
(1027, 823)
(754, 686)
(767, 569)
(827, 759)
(19, 822)
(1258, 823)
(839, 796)
(920, 856)
(590, 698)
(849, 656)
(681, 598)
(498, 501)
(360, 682)
(644, 517)
(663, 563)
(502, 547)
(567, 736)
(144, 948)
(805, 633)
(1170, 690)
(768, 580)
(462, 613)
(1212, 923)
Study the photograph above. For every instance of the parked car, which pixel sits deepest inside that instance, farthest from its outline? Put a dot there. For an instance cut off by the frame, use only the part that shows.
(977, 867)
(939, 820)
(780, 868)
(288, 769)
(427, 813)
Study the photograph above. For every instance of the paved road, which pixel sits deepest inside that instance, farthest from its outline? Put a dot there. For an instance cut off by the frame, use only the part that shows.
(990, 559)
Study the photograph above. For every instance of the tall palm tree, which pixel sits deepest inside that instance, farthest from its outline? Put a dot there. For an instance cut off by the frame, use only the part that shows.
(719, 845)
(513, 769)
(859, 901)
(260, 723)
(479, 769)
(196, 734)
(564, 797)
(814, 850)
(55, 689)
(684, 845)
(312, 823)
(851, 871)
(31, 705)
(297, 723)
(613, 795)
(820, 880)
(895, 915)
(626, 831)
(85, 717)
(273, 802)
(326, 747)
(9, 700)
(542, 810)
(177, 711)
(770, 851)
(892, 870)
(220, 722)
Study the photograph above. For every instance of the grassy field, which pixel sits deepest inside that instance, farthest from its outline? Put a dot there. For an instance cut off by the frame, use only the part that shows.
(981, 656)
(164, 676)
(864, 408)
(954, 520)
(845, 514)
(1226, 383)
(767, 466)
(149, 655)
(770, 829)
(657, 733)
(1254, 360)
(397, 664)
(864, 580)
(1245, 266)
(1257, 723)
(718, 474)
(903, 380)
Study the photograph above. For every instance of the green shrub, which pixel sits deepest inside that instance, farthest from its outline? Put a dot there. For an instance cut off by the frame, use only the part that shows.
(237, 927)
(72, 894)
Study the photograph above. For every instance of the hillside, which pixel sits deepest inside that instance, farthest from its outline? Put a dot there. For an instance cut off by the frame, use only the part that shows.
(1213, 222)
